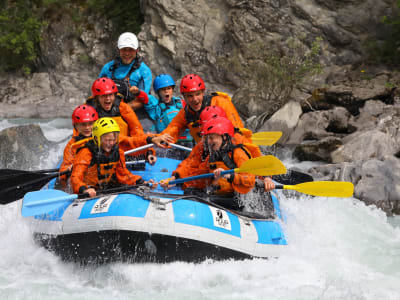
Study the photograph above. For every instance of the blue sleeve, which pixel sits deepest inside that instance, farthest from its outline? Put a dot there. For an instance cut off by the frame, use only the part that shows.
(152, 108)
(105, 71)
(145, 72)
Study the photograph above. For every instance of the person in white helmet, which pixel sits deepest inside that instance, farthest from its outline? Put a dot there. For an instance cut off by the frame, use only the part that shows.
(131, 75)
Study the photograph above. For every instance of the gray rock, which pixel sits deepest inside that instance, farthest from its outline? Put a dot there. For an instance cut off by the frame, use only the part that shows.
(380, 184)
(285, 120)
(22, 146)
(363, 146)
(317, 150)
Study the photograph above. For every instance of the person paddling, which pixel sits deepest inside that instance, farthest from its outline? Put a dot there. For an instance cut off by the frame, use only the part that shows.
(83, 118)
(189, 166)
(100, 163)
(219, 153)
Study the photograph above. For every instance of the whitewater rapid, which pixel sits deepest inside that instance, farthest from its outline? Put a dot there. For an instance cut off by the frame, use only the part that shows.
(337, 249)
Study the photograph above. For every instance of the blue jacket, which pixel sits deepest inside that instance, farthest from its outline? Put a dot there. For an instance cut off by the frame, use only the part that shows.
(141, 77)
(163, 113)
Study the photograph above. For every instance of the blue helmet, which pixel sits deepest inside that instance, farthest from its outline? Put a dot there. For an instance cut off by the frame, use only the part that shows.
(162, 81)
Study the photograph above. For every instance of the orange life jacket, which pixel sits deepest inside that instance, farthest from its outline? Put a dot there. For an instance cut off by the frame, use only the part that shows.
(242, 182)
(114, 113)
(102, 169)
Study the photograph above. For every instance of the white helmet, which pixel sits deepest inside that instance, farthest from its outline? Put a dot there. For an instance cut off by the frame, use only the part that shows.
(128, 39)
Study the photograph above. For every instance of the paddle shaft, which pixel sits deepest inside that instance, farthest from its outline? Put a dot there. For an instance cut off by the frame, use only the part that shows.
(202, 176)
(181, 147)
(138, 149)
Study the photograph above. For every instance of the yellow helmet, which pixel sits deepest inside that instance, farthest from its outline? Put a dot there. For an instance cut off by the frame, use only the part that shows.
(103, 126)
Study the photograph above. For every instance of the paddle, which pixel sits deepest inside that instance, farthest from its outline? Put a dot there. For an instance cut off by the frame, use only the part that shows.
(6, 173)
(293, 177)
(14, 177)
(45, 201)
(17, 191)
(138, 149)
(180, 147)
(262, 166)
(267, 138)
(322, 188)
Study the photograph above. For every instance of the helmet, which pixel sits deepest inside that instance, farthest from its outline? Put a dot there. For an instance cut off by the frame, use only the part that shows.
(219, 125)
(162, 81)
(128, 40)
(103, 126)
(192, 83)
(103, 86)
(211, 112)
(84, 113)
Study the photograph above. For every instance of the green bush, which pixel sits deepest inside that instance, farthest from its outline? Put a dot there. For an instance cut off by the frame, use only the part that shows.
(274, 70)
(125, 15)
(22, 23)
(386, 50)
(20, 34)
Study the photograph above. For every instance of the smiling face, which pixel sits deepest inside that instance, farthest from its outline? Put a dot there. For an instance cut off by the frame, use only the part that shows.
(106, 101)
(214, 141)
(84, 128)
(127, 55)
(194, 99)
(166, 93)
(108, 140)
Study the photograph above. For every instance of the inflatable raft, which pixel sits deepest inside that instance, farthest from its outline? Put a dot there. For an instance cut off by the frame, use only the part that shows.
(143, 225)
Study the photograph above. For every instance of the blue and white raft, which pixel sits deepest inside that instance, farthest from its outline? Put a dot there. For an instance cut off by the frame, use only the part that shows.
(142, 225)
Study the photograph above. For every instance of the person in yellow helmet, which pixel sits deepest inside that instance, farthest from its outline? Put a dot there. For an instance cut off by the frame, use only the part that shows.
(100, 163)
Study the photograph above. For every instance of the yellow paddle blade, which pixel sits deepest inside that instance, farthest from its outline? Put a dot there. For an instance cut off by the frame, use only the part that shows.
(263, 166)
(266, 138)
(324, 188)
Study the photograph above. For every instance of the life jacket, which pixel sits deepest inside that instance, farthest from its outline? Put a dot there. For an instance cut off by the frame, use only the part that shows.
(114, 113)
(254, 150)
(102, 168)
(192, 117)
(168, 112)
(225, 160)
(123, 84)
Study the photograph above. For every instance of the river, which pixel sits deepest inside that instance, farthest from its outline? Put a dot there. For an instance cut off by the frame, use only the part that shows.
(337, 249)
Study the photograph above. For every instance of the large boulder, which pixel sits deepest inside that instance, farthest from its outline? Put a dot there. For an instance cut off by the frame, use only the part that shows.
(362, 146)
(22, 147)
(379, 184)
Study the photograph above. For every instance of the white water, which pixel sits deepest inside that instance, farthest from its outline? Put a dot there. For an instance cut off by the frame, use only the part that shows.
(338, 249)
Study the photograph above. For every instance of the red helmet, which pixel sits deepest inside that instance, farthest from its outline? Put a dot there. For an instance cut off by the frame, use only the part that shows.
(219, 125)
(103, 86)
(211, 112)
(84, 113)
(192, 83)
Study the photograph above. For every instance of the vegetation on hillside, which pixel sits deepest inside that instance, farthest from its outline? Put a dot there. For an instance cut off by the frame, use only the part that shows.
(22, 23)
(274, 70)
(387, 49)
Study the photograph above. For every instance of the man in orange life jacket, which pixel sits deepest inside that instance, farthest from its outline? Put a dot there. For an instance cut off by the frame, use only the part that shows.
(192, 88)
(100, 163)
(221, 154)
(189, 166)
(83, 118)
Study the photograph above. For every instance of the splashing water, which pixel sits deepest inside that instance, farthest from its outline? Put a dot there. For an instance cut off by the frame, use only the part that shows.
(337, 249)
